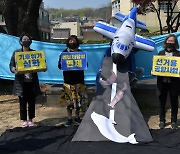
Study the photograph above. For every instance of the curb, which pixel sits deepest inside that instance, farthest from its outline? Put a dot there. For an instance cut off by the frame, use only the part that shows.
(7, 100)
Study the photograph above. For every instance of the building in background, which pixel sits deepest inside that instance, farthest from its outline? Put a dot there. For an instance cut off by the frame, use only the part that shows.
(151, 20)
(60, 34)
(74, 26)
(44, 24)
(88, 33)
(122, 6)
(63, 28)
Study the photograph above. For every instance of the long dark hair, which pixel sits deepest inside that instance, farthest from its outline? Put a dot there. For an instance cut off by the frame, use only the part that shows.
(176, 41)
(24, 34)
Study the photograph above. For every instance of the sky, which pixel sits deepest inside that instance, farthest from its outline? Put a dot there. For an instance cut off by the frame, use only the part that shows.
(75, 4)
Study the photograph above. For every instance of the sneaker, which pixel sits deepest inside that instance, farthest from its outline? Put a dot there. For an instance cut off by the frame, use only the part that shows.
(161, 125)
(77, 120)
(173, 125)
(30, 124)
(25, 124)
(69, 122)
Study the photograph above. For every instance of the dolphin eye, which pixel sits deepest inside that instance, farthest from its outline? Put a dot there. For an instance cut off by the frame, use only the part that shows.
(128, 26)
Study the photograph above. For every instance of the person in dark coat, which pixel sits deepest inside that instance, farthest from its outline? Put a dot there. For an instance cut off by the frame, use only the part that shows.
(74, 93)
(26, 86)
(169, 84)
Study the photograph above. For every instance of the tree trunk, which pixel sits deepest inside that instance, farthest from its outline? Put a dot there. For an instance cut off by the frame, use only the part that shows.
(22, 16)
(171, 20)
(10, 14)
(177, 23)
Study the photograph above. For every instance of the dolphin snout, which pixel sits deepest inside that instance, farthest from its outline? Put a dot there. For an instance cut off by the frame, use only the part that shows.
(118, 58)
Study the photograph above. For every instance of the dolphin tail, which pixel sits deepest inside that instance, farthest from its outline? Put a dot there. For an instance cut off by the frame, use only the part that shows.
(131, 139)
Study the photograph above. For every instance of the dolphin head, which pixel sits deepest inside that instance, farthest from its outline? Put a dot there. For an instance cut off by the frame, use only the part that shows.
(120, 49)
(118, 58)
(97, 118)
(93, 115)
(123, 41)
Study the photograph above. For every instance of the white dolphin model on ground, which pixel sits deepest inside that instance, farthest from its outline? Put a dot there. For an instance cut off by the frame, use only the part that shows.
(124, 37)
(106, 127)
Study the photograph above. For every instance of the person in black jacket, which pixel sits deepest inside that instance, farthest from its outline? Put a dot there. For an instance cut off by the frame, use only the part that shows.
(26, 86)
(169, 84)
(74, 94)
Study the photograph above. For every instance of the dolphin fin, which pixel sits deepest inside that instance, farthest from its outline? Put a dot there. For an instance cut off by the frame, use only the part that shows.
(131, 139)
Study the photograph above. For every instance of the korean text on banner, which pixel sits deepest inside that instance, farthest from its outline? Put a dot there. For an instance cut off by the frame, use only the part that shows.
(166, 66)
(74, 60)
(30, 61)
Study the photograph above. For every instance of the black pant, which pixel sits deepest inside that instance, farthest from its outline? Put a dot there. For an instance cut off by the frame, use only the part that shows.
(27, 98)
(173, 99)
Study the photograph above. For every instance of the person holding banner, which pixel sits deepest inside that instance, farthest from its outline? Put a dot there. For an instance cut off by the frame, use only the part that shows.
(26, 85)
(168, 84)
(74, 94)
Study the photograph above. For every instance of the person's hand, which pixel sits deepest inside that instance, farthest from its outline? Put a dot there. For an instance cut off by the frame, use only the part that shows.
(14, 70)
(152, 72)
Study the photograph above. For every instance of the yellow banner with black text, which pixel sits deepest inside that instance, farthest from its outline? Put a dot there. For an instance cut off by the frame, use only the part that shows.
(166, 66)
(30, 61)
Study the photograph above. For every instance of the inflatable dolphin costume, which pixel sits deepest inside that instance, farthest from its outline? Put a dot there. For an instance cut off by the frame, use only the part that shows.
(113, 115)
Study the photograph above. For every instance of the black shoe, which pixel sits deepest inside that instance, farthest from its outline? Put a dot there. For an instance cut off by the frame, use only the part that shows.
(161, 125)
(173, 125)
(69, 122)
(77, 120)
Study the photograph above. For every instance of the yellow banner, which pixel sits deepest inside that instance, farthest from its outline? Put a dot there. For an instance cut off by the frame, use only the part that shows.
(166, 66)
(30, 61)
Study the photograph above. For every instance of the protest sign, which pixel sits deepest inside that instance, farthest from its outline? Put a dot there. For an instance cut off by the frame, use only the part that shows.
(74, 60)
(166, 66)
(30, 61)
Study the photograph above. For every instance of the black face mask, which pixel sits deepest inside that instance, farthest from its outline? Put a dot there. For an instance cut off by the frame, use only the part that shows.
(72, 45)
(26, 43)
(170, 45)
